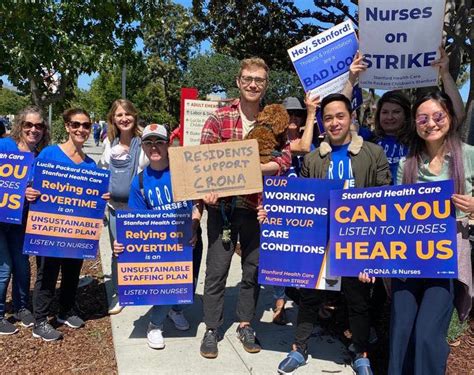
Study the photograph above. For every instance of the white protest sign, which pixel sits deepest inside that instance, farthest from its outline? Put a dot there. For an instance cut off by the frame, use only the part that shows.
(322, 62)
(400, 39)
(196, 112)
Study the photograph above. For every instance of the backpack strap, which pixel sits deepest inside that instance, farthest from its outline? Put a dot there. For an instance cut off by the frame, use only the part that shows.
(142, 189)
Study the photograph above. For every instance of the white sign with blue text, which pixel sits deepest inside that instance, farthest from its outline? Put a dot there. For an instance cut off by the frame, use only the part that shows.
(322, 62)
(399, 39)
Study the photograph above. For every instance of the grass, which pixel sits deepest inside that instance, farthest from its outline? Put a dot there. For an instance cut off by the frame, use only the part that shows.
(456, 328)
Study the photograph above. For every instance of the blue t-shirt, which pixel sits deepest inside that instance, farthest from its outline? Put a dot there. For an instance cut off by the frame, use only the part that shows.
(340, 167)
(156, 190)
(55, 153)
(296, 163)
(8, 145)
(394, 151)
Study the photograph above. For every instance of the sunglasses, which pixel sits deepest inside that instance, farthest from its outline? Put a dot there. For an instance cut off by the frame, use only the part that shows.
(30, 125)
(76, 125)
(438, 118)
(247, 80)
(149, 143)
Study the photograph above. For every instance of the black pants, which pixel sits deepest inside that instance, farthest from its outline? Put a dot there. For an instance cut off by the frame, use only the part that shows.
(47, 275)
(357, 296)
(245, 228)
(309, 301)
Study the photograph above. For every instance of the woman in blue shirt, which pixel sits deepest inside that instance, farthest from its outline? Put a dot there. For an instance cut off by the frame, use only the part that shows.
(78, 126)
(30, 133)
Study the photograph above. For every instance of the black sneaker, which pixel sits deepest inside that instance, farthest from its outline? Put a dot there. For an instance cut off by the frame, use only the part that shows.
(6, 328)
(25, 317)
(209, 344)
(248, 339)
(71, 319)
(46, 332)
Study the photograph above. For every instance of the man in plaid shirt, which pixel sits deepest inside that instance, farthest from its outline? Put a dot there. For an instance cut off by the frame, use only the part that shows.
(234, 219)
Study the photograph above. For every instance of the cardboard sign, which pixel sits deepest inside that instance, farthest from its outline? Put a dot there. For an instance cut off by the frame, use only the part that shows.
(398, 231)
(230, 168)
(322, 62)
(196, 112)
(156, 267)
(294, 235)
(67, 219)
(15, 171)
(399, 39)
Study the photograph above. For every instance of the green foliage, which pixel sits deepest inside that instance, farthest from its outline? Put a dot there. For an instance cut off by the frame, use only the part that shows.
(58, 131)
(11, 102)
(456, 328)
(47, 44)
(213, 73)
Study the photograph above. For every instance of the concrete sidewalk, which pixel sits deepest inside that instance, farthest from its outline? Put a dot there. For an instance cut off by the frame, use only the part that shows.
(181, 354)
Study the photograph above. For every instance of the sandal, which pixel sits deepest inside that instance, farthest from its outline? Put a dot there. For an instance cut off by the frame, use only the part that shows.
(361, 366)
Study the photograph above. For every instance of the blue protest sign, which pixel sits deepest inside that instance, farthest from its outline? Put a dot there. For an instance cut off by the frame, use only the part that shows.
(14, 170)
(322, 62)
(295, 233)
(156, 267)
(67, 219)
(398, 231)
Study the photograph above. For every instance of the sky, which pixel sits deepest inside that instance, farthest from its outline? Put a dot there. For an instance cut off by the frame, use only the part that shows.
(85, 80)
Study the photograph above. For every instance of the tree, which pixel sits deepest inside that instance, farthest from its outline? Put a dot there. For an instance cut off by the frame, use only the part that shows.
(46, 45)
(216, 73)
(171, 39)
(11, 102)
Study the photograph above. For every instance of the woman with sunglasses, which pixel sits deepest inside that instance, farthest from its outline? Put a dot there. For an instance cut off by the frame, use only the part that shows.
(78, 126)
(124, 157)
(29, 134)
(422, 308)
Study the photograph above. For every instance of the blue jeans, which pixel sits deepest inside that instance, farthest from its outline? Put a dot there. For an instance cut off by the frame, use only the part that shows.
(112, 227)
(13, 262)
(421, 312)
(159, 312)
(278, 292)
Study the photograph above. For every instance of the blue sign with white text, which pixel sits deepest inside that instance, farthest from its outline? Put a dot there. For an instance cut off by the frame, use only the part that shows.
(398, 231)
(67, 218)
(294, 235)
(156, 266)
(15, 170)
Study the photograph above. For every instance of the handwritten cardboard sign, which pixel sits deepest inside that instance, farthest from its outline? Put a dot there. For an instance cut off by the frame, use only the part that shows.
(231, 168)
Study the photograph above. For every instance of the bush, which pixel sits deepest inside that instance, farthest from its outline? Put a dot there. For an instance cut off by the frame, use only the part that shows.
(58, 132)
(456, 328)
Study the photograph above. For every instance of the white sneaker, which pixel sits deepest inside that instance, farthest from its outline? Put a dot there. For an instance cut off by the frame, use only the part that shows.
(154, 337)
(115, 307)
(179, 320)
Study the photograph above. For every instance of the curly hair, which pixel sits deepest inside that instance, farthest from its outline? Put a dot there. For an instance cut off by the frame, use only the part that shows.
(15, 133)
(112, 129)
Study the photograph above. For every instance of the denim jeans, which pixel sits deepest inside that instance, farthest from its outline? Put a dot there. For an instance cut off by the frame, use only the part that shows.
(159, 312)
(278, 292)
(13, 262)
(420, 317)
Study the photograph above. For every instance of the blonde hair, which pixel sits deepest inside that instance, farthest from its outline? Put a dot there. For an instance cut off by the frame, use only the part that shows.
(15, 133)
(251, 62)
(112, 130)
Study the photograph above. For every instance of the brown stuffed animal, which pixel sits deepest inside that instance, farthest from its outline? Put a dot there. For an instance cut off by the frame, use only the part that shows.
(270, 131)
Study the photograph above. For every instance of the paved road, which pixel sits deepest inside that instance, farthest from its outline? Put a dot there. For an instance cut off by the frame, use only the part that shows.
(181, 355)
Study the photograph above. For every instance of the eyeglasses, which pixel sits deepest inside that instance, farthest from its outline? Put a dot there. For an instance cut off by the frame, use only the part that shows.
(438, 118)
(30, 125)
(76, 125)
(149, 143)
(247, 80)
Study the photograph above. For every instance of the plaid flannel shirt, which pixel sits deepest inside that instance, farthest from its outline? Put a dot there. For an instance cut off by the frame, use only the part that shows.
(226, 124)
